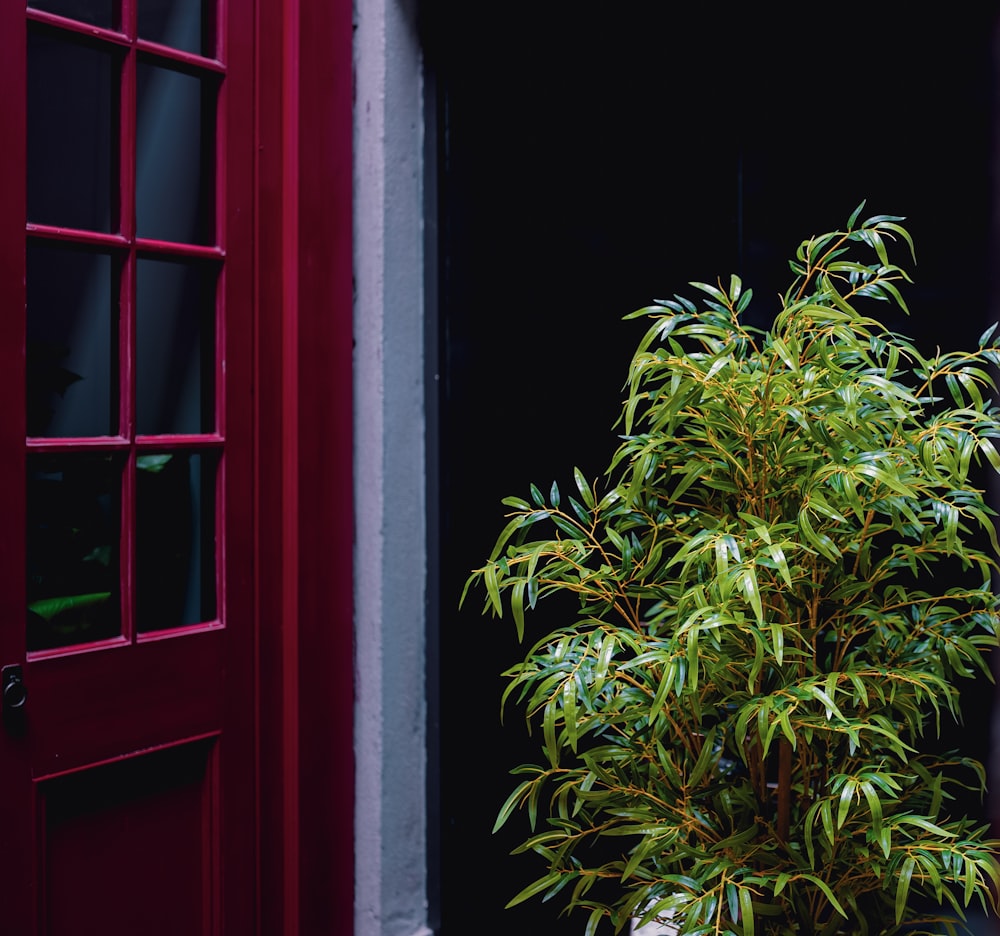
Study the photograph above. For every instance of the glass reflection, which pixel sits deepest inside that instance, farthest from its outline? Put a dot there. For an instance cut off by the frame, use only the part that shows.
(175, 540)
(70, 111)
(173, 156)
(71, 337)
(175, 347)
(74, 504)
(179, 24)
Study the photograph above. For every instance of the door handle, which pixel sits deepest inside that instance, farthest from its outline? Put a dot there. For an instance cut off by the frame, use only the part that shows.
(13, 694)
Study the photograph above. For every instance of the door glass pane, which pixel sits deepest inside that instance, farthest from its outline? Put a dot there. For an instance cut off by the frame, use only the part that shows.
(71, 339)
(179, 24)
(175, 347)
(175, 540)
(71, 106)
(97, 12)
(74, 505)
(173, 164)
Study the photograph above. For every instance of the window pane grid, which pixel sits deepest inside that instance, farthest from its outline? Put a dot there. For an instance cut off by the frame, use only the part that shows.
(182, 456)
(208, 57)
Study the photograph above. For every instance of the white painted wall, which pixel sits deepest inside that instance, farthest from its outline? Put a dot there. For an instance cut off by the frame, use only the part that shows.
(390, 560)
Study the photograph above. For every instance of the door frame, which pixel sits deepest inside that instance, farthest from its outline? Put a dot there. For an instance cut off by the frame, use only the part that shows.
(301, 319)
(303, 413)
(34, 764)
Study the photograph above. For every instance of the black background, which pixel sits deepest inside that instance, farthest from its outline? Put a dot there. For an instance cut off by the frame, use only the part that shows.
(593, 157)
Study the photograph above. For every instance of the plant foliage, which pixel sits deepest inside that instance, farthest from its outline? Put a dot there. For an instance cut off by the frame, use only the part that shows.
(733, 723)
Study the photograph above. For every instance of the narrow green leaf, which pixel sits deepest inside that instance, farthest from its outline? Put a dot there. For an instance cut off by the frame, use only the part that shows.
(505, 535)
(778, 642)
(778, 555)
(49, 608)
(517, 607)
(886, 223)
(874, 806)
(894, 292)
(492, 588)
(735, 286)
(751, 590)
(746, 911)
(903, 888)
(924, 824)
(809, 825)
(581, 512)
(659, 700)
(819, 541)
(693, 473)
(512, 802)
(832, 711)
(826, 814)
(846, 798)
(706, 757)
(549, 717)
(604, 655)
(732, 898)
(786, 356)
(569, 711)
(757, 665)
(885, 840)
(745, 300)
(989, 450)
(692, 659)
(585, 490)
(593, 921)
(543, 883)
(743, 726)
(786, 729)
(739, 839)
(721, 558)
(825, 888)
(715, 293)
(861, 691)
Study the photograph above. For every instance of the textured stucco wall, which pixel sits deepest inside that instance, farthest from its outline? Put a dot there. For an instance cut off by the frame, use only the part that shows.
(390, 561)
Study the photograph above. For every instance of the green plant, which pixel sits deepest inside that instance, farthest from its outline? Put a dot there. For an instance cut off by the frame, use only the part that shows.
(777, 590)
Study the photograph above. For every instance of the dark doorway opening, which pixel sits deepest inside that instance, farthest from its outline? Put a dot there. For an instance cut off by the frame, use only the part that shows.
(589, 163)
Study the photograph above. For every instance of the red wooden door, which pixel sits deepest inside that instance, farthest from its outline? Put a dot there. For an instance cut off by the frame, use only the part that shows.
(127, 777)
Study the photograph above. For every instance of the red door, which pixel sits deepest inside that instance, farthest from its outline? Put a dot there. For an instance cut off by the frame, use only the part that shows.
(127, 777)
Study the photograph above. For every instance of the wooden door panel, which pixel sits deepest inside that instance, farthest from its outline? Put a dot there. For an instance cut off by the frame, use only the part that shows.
(269, 84)
(132, 843)
(127, 781)
(141, 696)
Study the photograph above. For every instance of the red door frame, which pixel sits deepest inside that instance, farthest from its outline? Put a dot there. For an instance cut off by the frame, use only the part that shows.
(13, 198)
(304, 418)
(302, 325)
(189, 667)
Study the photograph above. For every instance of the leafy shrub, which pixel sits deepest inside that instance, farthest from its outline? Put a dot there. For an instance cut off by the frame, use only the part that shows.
(780, 585)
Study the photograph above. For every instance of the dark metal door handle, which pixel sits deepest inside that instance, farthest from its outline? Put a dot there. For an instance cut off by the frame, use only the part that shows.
(14, 694)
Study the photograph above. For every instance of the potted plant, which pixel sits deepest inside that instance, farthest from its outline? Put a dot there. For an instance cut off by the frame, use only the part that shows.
(776, 593)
